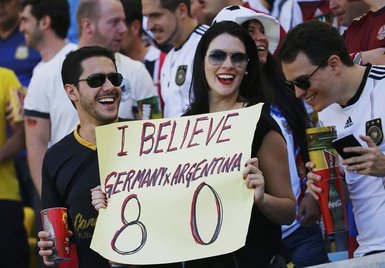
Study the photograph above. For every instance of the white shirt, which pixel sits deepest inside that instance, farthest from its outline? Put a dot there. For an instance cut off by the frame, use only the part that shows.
(292, 153)
(176, 74)
(46, 97)
(366, 192)
(137, 84)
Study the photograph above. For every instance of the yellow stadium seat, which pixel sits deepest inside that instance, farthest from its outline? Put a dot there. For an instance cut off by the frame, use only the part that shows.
(29, 224)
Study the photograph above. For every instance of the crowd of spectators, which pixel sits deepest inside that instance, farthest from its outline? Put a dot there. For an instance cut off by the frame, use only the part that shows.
(159, 48)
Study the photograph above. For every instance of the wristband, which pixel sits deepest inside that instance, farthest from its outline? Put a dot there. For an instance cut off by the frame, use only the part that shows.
(358, 58)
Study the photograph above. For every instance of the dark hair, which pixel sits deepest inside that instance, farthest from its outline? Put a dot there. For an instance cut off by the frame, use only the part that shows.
(72, 67)
(290, 106)
(317, 40)
(251, 85)
(173, 4)
(132, 10)
(57, 10)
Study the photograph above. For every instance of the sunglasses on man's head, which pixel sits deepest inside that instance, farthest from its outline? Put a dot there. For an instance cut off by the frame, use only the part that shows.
(98, 79)
(303, 81)
(217, 57)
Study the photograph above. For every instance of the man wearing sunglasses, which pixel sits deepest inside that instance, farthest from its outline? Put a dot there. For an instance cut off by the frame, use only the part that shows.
(351, 97)
(70, 167)
(103, 23)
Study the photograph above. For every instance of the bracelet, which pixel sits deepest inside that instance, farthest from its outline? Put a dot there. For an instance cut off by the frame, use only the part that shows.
(358, 58)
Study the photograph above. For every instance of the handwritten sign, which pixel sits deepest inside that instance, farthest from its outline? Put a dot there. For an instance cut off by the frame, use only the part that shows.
(175, 187)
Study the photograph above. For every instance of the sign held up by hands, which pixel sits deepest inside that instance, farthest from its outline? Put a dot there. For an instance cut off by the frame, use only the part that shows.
(174, 187)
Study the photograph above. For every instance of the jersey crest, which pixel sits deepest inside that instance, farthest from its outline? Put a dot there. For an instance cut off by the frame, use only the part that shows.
(180, 76)
(21, 52)
(381, 33)
(374, 130)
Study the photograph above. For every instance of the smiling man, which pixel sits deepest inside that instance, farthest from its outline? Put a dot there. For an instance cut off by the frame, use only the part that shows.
(103, 23)
(70, 167)
(171, 23)
(351, 97)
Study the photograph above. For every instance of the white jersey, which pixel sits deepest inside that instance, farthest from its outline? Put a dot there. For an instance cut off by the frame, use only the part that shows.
(152, 58)
(176, 74)
(137, 84)
(46, 97)
(366, 192)
(293, 154)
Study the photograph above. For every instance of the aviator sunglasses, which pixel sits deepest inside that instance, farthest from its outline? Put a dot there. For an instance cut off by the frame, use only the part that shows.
(217, 57)
(98, 79)
(303, 81)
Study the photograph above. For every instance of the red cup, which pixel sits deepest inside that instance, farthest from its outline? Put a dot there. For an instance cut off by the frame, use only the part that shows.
(332, 204)
(325, 158)
(55, 222)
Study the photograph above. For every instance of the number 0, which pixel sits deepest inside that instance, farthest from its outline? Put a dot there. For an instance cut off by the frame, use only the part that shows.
(193, 222)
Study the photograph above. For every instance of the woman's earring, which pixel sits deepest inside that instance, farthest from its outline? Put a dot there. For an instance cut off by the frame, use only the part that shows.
(246, 73)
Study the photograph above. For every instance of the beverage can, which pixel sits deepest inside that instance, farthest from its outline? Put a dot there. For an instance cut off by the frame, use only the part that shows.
(325, 158)
(55, 223)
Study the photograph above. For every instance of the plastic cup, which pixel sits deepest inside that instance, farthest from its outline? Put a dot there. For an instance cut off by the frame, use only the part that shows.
(333, 205)
(325, 157)
(55, 222)
(150, 108)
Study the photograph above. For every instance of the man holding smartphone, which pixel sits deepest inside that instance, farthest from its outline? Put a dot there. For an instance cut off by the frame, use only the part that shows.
(319, 69)
(347, 141)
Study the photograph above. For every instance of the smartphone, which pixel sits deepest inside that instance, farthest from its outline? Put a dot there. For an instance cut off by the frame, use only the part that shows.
(347, 141)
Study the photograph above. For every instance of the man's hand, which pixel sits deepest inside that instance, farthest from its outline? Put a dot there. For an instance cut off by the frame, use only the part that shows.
(308, 211)
(311, 178)
(44, 245)
(370, 162)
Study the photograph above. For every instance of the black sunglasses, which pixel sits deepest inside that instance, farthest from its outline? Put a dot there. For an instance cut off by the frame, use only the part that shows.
(98, 79)
(303, 81)
(217, 57)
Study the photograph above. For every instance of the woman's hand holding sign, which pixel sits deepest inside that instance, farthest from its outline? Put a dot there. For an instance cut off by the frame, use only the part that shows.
(254, 179)
(99, 198)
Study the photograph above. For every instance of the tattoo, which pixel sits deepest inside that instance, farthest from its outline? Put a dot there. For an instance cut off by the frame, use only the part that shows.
(31, 122)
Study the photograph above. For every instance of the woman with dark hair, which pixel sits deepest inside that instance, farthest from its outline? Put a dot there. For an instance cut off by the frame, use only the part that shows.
(227, 75)
(302, 240)
(249, 84)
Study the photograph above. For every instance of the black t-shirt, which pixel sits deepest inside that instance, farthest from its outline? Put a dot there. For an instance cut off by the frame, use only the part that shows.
(263, 237)
(70, 171)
